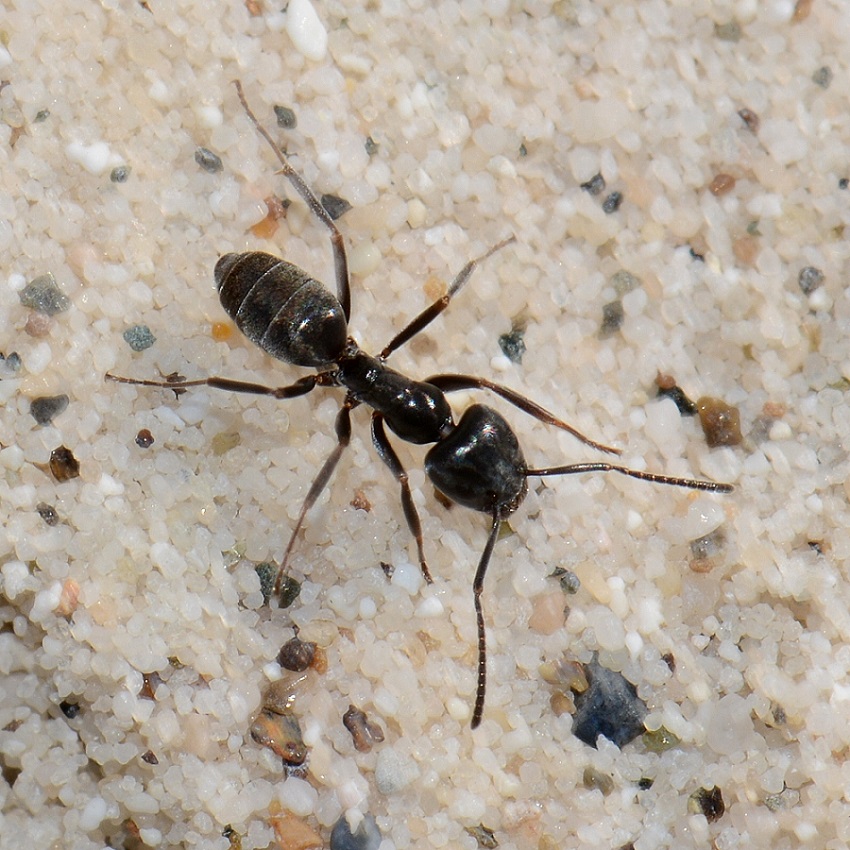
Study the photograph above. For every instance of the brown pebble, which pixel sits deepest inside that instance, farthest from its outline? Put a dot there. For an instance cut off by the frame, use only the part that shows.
(721, 422)
(708, 802)
(721, 184)
(363, 733)
(38, 325)
(69, 598)
(664, 382)
(565, 673)
(281, 733)
(280, 695)
(296, 654)
(150, 682)
(254, 8)
(293, 834)
(360, 502)
(746, 250)
(275, 210)
(670, 660)
(63, 464)
(150, 758)
(144, 439)
(562, 703)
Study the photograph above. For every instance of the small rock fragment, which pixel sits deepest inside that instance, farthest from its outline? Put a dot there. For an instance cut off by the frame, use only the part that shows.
(667, 388)
(293, 834)
(721, 184)
(721, 422)
(149, 757)
(43, 294)
(364, 733)
(730, 31)
(296, 654)
(139, 337)
(367, 836)
(594, 186)
(144, 439)
(485, 836)
(209, 161)
(119, 174)
(708, 802)
(335, 206)
(823, 77)
(281, 733)
(286, 119)
(267, 573)
(612, 318)
(660, 740)
(46, 408)
(595, 780)
(63, 465)
(610, 707)
(513, 344)
(47, 513)
(69, 598)
(810, 279)
(289, 591)
(612, 203)
(69, 709)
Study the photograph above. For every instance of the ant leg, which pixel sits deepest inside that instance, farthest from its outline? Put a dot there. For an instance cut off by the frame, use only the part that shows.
(390, 458)
(453, 383)
(691, 483)
(337, 243)
(343, 435)
(430, 313)
(477, 588)
(301, 387)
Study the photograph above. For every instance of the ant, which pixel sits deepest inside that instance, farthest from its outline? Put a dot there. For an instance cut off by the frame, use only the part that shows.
(476, 462)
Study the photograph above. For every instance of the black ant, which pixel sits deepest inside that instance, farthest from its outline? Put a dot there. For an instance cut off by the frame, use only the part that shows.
(476, 462)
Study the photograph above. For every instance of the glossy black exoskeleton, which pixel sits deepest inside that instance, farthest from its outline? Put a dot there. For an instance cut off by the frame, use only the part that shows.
(476, 462)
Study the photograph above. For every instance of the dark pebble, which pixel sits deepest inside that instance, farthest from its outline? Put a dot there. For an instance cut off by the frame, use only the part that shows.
(149, 758)
(47, 513)
(10, 364)
(281, 733)
(47, 407)
(708, 802)
(721, 422)
(139, 337)
(844, 182)
(685, 406)
(513, 345)
(290, 590)
(569, 581)
(367, 836)
(63, 464)
(371, 146)
(822, 77)
(119, 174)
(660, 740)
(594, 186)
(610, 707)
(364, 733)
(624, 282)
(69, 709)
(144, 439)
(612, 203)
(286, 117)
(208, 160)
(296, 654)
(810, 279)
(335, 206)
(43, 294)
(612, 318)
(267, 573)
(645, 783)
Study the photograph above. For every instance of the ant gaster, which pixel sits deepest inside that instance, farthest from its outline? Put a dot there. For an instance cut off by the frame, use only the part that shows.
(476, 461)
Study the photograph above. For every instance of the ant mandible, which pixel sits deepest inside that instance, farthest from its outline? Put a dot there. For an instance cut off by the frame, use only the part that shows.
(476, 462)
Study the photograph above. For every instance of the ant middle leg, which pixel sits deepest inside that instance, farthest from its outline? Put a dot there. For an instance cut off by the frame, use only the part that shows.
(390, 458)
(431, 312)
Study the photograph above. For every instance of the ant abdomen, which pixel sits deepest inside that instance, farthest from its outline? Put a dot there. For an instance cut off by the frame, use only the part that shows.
(280, 308)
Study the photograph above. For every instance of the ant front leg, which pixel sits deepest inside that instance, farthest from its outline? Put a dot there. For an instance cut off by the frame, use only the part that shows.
(390, 458)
